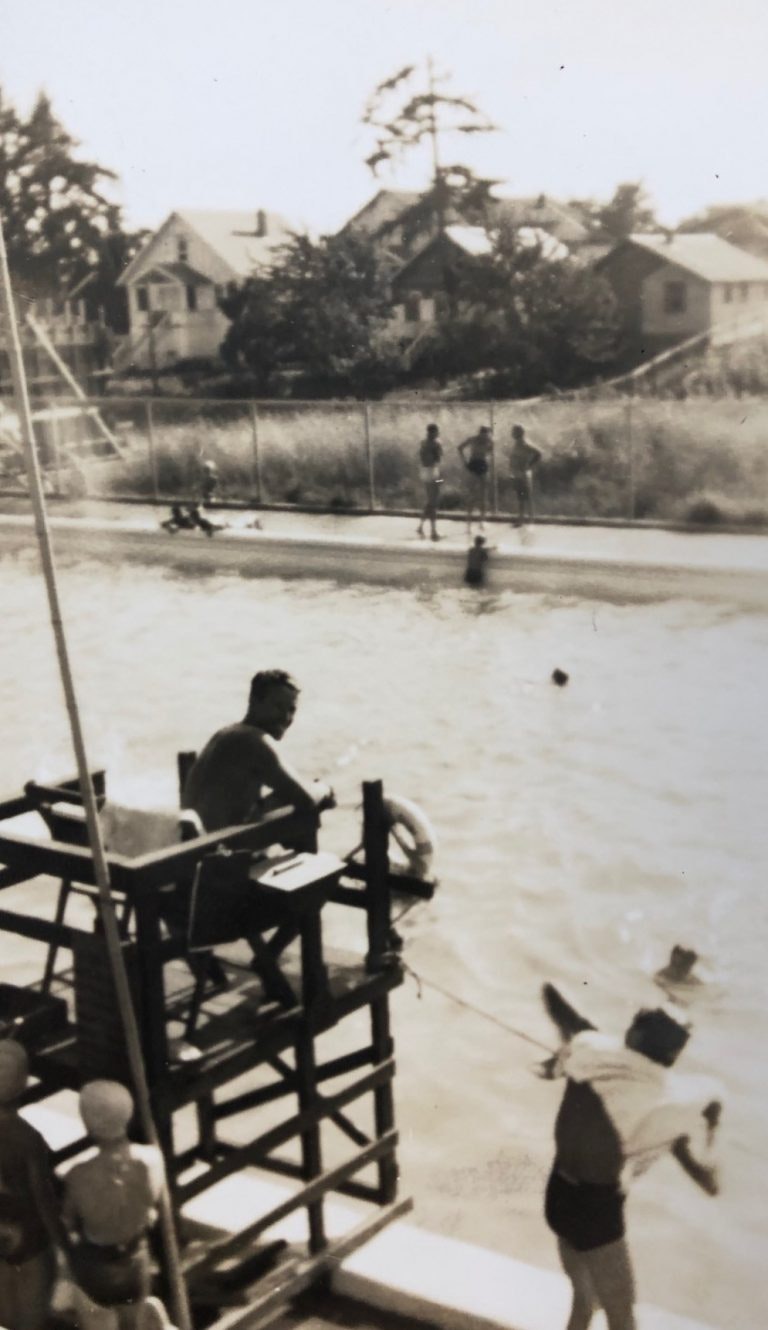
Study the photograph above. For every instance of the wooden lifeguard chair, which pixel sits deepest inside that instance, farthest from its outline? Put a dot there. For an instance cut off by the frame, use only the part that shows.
(256, 1076)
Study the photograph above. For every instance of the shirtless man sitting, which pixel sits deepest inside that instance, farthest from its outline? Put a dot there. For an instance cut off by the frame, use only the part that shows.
(241, 774)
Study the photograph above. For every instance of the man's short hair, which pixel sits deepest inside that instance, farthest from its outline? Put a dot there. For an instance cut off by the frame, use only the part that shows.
(266, 681)
(433, 429)
(517, 430)
(659, 1034)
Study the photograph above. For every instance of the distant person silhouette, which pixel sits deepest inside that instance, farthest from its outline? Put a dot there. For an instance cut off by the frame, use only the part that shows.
(477, 560)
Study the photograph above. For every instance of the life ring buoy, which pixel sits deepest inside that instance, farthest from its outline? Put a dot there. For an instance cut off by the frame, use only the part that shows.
(413, 833)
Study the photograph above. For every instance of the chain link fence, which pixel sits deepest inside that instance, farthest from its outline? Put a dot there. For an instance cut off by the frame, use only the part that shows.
(606, 456)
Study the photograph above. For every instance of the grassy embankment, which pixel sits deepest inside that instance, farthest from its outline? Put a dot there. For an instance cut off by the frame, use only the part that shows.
(702, 459)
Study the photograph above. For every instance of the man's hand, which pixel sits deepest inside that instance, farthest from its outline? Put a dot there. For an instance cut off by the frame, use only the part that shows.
(323, 795)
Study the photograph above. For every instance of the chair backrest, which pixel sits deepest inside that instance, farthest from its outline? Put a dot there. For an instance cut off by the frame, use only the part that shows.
(221, 904)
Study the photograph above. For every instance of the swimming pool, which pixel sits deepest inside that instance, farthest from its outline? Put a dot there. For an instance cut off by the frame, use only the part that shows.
(583, 831)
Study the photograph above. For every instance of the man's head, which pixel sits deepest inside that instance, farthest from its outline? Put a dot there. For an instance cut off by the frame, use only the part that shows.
(518, 432)
(479, 542)
(659, 1034)
(432, 431)
(14, 1069)
(485, 430)
(272, 701)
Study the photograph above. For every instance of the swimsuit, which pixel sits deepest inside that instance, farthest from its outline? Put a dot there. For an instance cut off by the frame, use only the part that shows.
(585, 1214)
(478, 466)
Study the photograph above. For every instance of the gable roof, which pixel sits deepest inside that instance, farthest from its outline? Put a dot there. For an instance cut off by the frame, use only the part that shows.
(383, 209)
(559, 219)
(233, 236)
(474, 240)
(182, 273)
(230, 234)
(703, 254)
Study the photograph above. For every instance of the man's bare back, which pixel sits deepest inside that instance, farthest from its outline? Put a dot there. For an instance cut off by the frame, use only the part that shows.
(240, 773)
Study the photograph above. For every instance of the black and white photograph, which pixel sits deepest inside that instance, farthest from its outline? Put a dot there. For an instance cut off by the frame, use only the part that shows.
(384, 603)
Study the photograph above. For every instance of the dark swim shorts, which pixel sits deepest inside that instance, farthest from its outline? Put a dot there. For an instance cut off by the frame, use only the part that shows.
(585, 1214)
(478, 466)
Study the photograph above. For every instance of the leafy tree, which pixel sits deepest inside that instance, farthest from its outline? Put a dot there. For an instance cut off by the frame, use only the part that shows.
(60, 229)
(530, 321)
(321, 309)
(628, 211)
(426, 115)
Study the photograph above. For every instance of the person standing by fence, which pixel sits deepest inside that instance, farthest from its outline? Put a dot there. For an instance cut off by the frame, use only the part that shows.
(476, 452)
(524, 457)
(430, 457)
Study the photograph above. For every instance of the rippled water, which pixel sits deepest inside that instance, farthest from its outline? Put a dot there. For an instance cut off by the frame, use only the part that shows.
(583, 831)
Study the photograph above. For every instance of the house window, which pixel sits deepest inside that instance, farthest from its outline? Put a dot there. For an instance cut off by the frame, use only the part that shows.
(674, 298)
(191, 297)
(743, 291)
(182, 249)
(727, 294)
(413, 309)
(142, 299)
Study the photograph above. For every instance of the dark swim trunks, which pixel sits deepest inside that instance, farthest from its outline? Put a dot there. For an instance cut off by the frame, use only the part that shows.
(478, 466)
(585, 1214)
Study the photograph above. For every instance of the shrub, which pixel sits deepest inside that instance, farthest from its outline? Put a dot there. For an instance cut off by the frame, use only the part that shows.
(705, 512)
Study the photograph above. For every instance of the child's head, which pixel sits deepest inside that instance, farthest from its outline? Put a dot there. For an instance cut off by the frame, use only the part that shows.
(14, 1069)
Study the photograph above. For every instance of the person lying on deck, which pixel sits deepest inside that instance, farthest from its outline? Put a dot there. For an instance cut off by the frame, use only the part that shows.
(178, 520)
(240, 773)
(622, 1109)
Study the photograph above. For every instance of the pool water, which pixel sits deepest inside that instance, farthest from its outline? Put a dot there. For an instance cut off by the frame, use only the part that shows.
(583, 831)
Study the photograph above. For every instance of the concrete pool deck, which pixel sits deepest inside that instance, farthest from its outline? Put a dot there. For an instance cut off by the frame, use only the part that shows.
(420, 1276)
(619, 563)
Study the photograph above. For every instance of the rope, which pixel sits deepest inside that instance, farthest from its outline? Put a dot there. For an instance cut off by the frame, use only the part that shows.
(421, 982)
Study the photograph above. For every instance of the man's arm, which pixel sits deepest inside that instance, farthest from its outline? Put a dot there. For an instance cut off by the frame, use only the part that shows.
(704, 1175)
(287, 785)
(534, 455)
(567, 1019)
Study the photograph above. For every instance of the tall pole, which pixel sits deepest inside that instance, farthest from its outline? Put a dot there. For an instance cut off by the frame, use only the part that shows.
(101, 868)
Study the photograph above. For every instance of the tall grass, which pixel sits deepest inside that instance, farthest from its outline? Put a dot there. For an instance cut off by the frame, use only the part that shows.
(698, 459)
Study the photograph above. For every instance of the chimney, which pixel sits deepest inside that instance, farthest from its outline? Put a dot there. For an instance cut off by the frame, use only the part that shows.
(261, 223)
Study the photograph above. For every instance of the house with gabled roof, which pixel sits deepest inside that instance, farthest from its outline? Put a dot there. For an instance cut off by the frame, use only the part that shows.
(671, 286)
(176, 280)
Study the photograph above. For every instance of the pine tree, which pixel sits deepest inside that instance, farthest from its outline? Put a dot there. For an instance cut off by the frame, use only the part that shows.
(55, 216)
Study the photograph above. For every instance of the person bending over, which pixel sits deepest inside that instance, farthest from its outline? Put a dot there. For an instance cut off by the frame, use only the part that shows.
(622, 1109)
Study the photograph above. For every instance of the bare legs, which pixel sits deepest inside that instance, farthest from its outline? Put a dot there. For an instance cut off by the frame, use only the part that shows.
(477, 498)
(600, 1278)
(429, 513)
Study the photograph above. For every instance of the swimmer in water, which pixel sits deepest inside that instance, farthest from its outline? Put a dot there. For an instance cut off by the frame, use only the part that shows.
(679, 967)
(477, 558)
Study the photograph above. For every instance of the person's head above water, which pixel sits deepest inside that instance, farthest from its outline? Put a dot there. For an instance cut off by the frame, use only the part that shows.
(272, 701)
(658, 1034)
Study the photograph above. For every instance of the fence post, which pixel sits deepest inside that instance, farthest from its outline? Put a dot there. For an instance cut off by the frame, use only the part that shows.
(369, 456)
(494, 467)
(55, 438)
(255, 458)
(151, 444)
(631, 459)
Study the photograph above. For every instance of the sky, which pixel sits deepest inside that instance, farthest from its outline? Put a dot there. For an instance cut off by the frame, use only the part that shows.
(257, 103)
